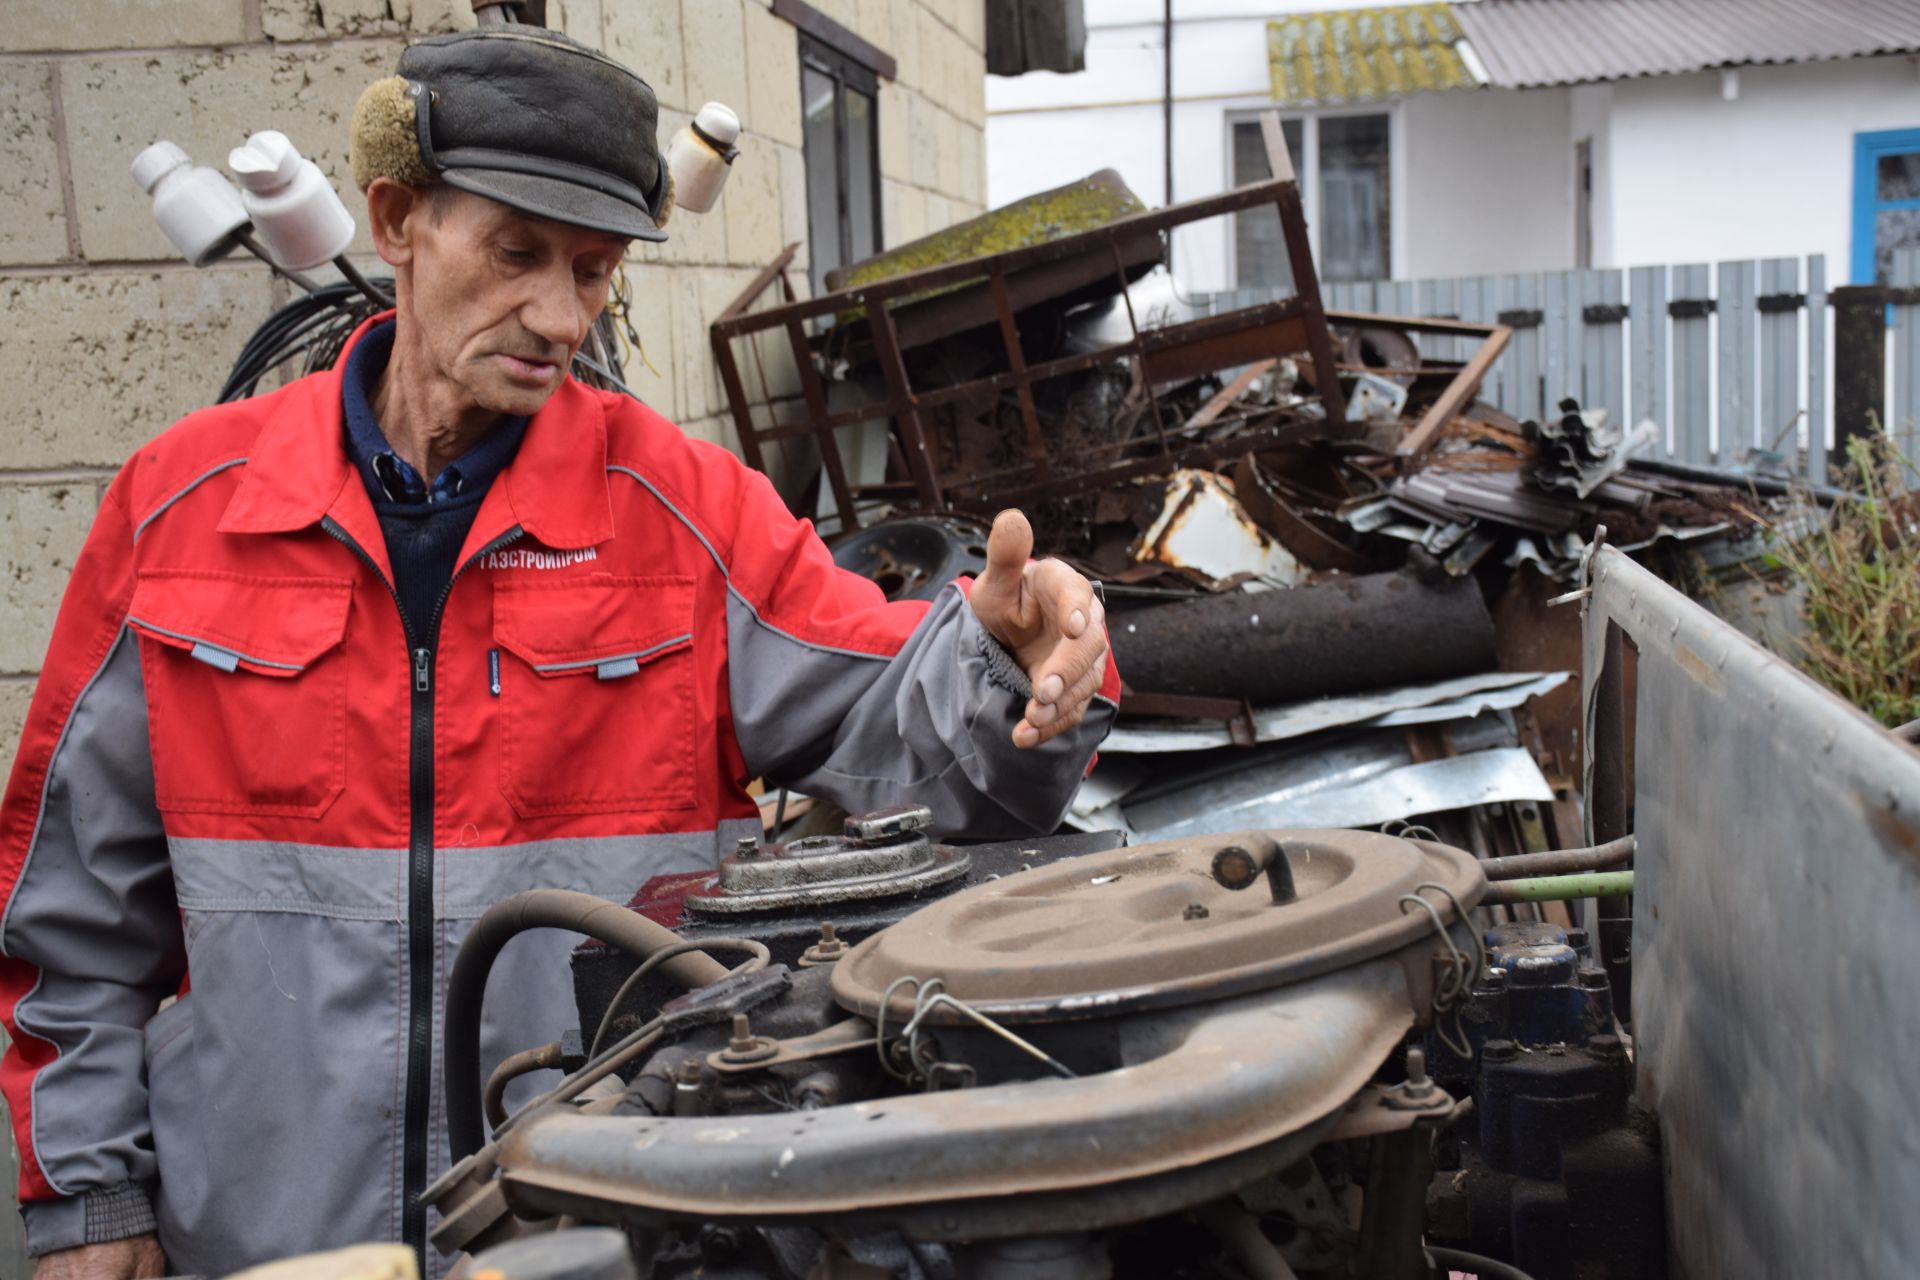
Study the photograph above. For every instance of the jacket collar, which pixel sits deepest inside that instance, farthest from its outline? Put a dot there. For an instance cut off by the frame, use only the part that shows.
(298, 471)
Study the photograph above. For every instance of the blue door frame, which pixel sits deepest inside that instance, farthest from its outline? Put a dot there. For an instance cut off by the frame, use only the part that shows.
(1868, 148)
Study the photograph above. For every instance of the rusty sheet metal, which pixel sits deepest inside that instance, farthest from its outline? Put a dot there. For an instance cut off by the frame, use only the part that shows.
(1457, 699)
(1213, 1096)
(1316, 544)
(1332, 637)
(1202, 526)
(1774, 943)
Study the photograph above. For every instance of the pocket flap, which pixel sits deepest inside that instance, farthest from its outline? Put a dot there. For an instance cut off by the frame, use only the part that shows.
(607, 625)
(270, 626)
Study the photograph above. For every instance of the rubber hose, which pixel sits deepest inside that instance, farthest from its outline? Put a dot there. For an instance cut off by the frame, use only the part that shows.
(467, 988)
(1485, 1268)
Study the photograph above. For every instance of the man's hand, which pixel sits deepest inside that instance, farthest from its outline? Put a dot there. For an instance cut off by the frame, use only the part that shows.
(135, 1258)
(1049, 619)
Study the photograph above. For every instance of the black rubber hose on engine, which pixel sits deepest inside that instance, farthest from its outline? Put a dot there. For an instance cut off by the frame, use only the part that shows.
(581, 913)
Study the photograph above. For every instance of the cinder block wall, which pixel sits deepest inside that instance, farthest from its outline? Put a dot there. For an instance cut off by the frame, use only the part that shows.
(109, 337)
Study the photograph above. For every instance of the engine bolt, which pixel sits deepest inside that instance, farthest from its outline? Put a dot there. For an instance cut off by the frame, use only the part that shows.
(748, 848)
(827, 950)
(1195, 911)
(745, 1046)
(742, 1041)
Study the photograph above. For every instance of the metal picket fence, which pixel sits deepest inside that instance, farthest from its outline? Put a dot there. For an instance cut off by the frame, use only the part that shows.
(1730, 358)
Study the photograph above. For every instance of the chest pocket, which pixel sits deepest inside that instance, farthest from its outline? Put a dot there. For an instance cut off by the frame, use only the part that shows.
(596, 686)
(246, 690)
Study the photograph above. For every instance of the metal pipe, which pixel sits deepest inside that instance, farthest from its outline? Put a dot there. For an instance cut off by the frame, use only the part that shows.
(545, 1058)
(1592, 884)
(1560, 862)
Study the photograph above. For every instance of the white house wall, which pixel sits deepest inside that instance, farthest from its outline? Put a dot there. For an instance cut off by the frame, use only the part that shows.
(1691, 177)
(1489, 184)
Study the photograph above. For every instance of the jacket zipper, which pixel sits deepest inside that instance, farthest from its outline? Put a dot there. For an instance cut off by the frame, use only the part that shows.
(420, 995)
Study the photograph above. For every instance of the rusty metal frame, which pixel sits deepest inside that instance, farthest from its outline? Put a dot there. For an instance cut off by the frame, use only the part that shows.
(1465, 385)
(1165, 354)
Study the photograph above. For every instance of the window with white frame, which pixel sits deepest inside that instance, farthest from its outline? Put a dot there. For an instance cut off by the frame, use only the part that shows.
(1344, 163)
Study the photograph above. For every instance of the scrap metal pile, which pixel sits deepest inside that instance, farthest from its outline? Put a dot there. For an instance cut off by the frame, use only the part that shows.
(1298, 517)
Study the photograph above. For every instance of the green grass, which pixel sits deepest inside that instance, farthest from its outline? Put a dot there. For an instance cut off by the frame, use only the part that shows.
(1861, 574)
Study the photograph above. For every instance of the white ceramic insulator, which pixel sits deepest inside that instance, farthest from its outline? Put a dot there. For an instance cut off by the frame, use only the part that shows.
(298, 214)
(699, 171)
(197, 209)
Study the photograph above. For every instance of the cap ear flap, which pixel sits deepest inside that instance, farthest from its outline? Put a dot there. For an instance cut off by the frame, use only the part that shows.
(666, 201)
(385, 141)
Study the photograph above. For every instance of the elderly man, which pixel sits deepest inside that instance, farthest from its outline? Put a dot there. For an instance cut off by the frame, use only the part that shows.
(343, 665)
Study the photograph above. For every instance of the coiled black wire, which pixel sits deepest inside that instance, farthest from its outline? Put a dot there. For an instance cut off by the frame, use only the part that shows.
(313, 328)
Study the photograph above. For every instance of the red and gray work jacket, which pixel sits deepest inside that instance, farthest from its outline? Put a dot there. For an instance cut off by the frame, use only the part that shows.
(242, 781)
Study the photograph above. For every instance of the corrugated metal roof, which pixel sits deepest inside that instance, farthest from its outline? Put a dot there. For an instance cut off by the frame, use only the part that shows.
(1530, 43)
(1364, 55)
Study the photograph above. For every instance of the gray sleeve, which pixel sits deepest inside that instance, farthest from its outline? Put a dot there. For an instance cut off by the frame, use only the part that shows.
(931, 724)
(92, 934)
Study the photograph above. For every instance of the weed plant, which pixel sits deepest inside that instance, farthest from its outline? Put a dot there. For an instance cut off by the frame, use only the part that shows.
(1861, 573)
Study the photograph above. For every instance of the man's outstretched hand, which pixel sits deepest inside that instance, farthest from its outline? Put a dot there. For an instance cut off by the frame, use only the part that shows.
(1049, 619)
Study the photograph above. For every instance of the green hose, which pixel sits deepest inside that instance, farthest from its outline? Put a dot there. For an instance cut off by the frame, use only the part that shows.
(1591, 884)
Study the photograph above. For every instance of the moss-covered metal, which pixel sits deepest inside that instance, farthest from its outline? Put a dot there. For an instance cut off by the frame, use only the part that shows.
(1091, 202)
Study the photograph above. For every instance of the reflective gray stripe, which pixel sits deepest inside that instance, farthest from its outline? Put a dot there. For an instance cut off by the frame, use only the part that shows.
(728, 574)
(369, 884)
(199, 644)
(617, 668)
(637, 657)
(224, 659)
(188, 488)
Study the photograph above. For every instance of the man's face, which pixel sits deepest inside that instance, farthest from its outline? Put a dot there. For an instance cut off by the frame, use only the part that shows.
(502, 300)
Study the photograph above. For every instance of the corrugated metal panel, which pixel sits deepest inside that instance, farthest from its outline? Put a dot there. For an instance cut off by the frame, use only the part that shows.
(1530, 43)
(1365, 55)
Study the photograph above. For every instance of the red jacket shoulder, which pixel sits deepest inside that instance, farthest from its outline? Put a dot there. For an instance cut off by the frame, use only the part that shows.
(705, 483)
(204, 442)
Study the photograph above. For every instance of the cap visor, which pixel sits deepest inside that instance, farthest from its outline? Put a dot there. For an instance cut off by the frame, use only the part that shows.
(556, 199)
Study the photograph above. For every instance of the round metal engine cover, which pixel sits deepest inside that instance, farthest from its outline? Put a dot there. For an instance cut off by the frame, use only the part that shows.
(1150, 927)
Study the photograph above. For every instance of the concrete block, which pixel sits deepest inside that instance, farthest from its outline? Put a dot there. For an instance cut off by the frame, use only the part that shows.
(645, 35)
(132, 24)
(327, 19)
(793, 197)
(844, 12)
(896, 153)
(42, 527)
(208, 103)
(694, 374)
(104, 361)
(717, 287)
(773, 68)
(581, 19)
(971, 22)
(970, 96)
(905, 42)
(973, 163)
(923, 129)
(713, 33)
(751, 205)
(16, 693)
(948, 130)
(940, 213)
(33, 215)
(652, 370)
(904, 213)
(934, 38)
(873, 22)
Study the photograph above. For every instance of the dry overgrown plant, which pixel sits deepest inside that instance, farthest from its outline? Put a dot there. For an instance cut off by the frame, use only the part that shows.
(1861, 574)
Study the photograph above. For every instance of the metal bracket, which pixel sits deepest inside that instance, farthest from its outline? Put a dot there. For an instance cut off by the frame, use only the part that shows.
(1691, 308)
(1773, 303)
(1521, 319)
(1604, 313)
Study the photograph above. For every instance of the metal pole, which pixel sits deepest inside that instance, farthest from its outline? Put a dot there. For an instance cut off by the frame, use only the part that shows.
(1166, 110)
(1591, 884)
